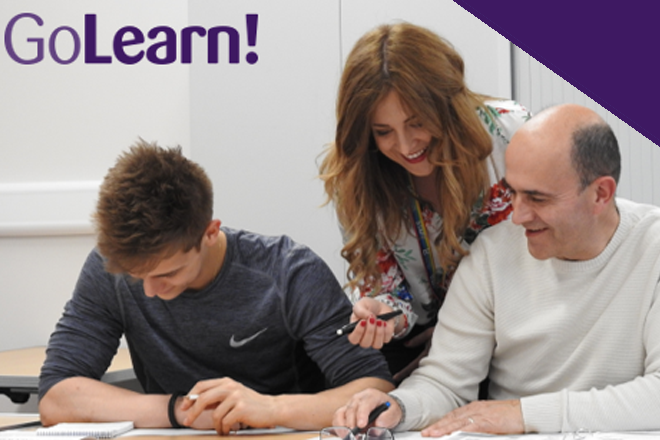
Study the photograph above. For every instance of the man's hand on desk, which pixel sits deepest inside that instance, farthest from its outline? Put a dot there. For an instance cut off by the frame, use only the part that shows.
(356, 411)
(231, 406)
(488, 416)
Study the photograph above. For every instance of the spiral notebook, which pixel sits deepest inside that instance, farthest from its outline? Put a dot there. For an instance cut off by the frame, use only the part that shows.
(97, 430)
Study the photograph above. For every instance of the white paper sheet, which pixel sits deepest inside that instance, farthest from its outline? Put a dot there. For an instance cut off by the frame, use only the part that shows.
(179, 432)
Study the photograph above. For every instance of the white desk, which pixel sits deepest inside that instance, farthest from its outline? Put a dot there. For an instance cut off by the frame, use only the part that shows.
(19, 371)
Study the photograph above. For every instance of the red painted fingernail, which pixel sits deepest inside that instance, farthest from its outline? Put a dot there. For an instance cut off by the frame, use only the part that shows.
(372, 320)
(379, 323)
(363, 323)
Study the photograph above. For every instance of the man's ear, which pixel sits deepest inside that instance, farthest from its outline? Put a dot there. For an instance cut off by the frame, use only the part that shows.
(604, 192)
(212, 232)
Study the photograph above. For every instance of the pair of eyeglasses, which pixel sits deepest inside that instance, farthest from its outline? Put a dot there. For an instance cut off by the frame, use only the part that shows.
(580, 434)
(344, 433)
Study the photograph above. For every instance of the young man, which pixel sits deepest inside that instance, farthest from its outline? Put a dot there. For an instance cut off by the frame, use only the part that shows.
(560, 307)
(244, 321)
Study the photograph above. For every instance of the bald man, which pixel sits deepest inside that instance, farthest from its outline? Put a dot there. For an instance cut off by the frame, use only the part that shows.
(558, 307)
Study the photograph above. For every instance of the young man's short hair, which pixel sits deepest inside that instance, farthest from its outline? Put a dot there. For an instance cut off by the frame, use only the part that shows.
(153, 203)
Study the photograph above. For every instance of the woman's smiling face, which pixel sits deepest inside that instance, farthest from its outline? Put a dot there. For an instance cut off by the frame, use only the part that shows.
(400, 136)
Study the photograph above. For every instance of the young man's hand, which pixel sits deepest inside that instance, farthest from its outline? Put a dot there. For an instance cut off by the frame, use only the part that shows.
(232, 406)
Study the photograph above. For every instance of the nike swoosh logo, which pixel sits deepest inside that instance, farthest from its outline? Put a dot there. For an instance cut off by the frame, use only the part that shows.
(236, 344)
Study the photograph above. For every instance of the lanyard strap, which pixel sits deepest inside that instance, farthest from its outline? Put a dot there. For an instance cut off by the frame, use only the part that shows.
(435, 275)
(423, 239)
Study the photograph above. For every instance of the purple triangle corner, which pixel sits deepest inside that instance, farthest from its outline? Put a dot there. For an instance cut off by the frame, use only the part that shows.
(607, 52)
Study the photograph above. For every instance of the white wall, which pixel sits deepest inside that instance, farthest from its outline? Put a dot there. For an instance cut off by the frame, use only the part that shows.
(257, 129)
(61, 128)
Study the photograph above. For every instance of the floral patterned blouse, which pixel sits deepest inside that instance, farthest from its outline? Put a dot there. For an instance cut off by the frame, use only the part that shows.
(404, 277)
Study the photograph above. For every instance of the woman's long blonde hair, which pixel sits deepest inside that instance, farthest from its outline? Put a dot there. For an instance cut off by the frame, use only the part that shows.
(371, 192)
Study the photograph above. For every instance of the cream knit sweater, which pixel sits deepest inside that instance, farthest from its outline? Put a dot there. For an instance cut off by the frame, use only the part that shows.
(577, 342)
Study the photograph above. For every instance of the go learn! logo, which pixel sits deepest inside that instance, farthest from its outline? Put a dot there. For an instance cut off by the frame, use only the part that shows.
(130, 45)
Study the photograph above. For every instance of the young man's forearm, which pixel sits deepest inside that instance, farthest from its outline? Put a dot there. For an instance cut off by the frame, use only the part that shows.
(315, 411)
(85, 400)
(80, 399)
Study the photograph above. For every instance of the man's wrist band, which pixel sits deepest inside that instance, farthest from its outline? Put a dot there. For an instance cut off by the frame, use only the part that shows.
(170, 410)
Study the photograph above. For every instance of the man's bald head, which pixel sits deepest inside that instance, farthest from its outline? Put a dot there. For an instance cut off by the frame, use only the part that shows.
(577, 134)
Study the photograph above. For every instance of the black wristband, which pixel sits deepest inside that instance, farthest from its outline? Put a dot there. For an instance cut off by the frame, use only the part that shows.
(170, 410)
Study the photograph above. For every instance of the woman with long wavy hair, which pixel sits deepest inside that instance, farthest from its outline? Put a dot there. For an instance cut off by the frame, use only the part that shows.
(413, 174)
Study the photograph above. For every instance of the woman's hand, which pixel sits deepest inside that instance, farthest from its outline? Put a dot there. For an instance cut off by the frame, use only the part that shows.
(371, 331)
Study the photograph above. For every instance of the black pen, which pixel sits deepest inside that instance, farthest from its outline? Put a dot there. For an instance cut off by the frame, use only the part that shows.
(348, 328)
(373, 415)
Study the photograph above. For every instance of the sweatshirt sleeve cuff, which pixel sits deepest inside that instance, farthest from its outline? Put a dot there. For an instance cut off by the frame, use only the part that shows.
(541, 413)
(412, 411)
